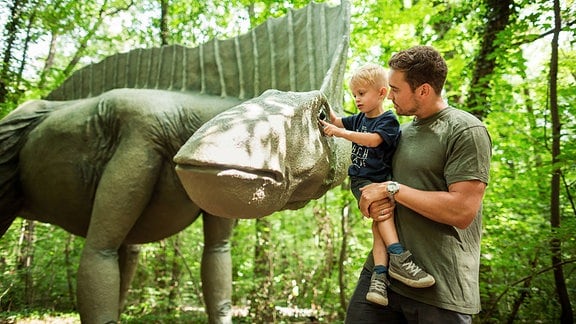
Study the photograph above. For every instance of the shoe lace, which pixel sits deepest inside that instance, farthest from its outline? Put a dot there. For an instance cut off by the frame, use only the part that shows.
(412, 268)
(378, 285)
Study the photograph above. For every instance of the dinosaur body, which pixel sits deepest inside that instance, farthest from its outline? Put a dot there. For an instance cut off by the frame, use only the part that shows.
(128, 136)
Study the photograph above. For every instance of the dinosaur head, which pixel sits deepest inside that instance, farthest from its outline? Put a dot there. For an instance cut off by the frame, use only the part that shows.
(262, 156)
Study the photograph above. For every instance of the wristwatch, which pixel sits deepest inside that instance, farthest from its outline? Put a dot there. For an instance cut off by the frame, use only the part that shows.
(393, 187)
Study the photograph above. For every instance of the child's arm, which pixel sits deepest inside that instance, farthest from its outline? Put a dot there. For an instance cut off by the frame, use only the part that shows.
(336, 121)
(364, 139)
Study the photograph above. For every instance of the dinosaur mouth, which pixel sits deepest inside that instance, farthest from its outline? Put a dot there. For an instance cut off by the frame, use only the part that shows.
(234, 171)
(233, 192)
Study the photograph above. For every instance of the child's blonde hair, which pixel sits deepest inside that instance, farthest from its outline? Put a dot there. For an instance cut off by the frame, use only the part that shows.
(369, 75)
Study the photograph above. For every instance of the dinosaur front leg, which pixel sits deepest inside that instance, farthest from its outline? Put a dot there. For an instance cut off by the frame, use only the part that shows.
(217, 268)
(123, 192)
(98, 283)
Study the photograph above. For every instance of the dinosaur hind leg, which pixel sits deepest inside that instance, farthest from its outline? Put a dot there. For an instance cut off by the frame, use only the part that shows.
(128, 261)
(216, 269)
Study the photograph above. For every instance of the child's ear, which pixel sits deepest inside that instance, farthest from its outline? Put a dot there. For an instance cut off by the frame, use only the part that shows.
(383, 91)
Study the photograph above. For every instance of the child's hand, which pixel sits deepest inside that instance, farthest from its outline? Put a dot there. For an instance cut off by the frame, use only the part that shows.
(328, 128)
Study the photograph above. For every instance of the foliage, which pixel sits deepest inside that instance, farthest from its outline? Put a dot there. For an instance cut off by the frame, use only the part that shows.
(311, 267)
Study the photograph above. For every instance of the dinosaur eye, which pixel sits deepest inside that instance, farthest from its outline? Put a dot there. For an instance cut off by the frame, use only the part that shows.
(323, 114)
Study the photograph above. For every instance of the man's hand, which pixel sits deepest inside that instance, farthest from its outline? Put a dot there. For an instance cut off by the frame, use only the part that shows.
(375, 203)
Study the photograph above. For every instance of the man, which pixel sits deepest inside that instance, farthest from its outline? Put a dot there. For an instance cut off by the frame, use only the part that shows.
(441, 169)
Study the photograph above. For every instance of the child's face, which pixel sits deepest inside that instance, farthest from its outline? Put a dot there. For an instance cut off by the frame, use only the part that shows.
(368, 98)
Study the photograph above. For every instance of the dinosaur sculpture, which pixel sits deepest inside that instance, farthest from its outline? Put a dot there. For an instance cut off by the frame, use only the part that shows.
(135, 148)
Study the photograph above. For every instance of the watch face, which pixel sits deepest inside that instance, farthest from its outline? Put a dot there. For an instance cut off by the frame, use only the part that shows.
(392, 187)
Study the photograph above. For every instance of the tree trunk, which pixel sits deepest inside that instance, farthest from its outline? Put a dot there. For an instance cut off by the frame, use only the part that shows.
(49, 60)
(10, 32)
(343, 248)
(524, 292)
(497, 16)
(176, 271)
(164, 32)
(162, 273)
(70, 269)
(555, 243)
(25, 47)
(325, 235)
(26, 259)
(262, 309)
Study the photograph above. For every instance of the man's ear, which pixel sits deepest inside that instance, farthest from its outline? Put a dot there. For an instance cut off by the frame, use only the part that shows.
(425, 89)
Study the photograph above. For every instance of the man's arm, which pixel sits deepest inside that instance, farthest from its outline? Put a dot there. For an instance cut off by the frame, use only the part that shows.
(457, 207)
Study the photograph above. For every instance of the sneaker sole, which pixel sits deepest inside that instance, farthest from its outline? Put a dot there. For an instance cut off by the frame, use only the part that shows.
(377, 299)
(425, 282)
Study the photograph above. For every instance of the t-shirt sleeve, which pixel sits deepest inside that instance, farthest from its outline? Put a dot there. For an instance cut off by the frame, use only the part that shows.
(469, 157)
(349, 121)
(389, 130)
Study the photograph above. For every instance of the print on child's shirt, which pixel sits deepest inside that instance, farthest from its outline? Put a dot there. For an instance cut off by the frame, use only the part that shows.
(359, 152)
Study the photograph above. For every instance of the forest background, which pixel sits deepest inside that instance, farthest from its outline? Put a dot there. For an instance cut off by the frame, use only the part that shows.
(511, 62)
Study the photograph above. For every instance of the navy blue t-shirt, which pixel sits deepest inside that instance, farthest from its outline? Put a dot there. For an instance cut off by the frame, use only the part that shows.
(373, 163)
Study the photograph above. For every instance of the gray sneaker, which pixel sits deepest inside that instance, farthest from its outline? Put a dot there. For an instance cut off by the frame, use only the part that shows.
(403, 269)
(377, 292)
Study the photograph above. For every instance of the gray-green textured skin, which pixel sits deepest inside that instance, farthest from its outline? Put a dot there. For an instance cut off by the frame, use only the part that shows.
(109, 159)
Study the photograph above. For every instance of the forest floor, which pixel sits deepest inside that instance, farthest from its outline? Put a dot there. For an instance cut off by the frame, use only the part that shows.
(47, 319)
(196, 315)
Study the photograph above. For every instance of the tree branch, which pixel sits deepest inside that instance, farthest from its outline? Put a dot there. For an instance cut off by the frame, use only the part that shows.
(544, 34)
(530, 277)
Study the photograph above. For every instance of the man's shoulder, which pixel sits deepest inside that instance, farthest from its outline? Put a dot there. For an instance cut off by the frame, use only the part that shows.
(462, 116)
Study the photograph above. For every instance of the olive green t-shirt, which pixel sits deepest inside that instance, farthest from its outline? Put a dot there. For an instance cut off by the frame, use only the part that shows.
(449, 147)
